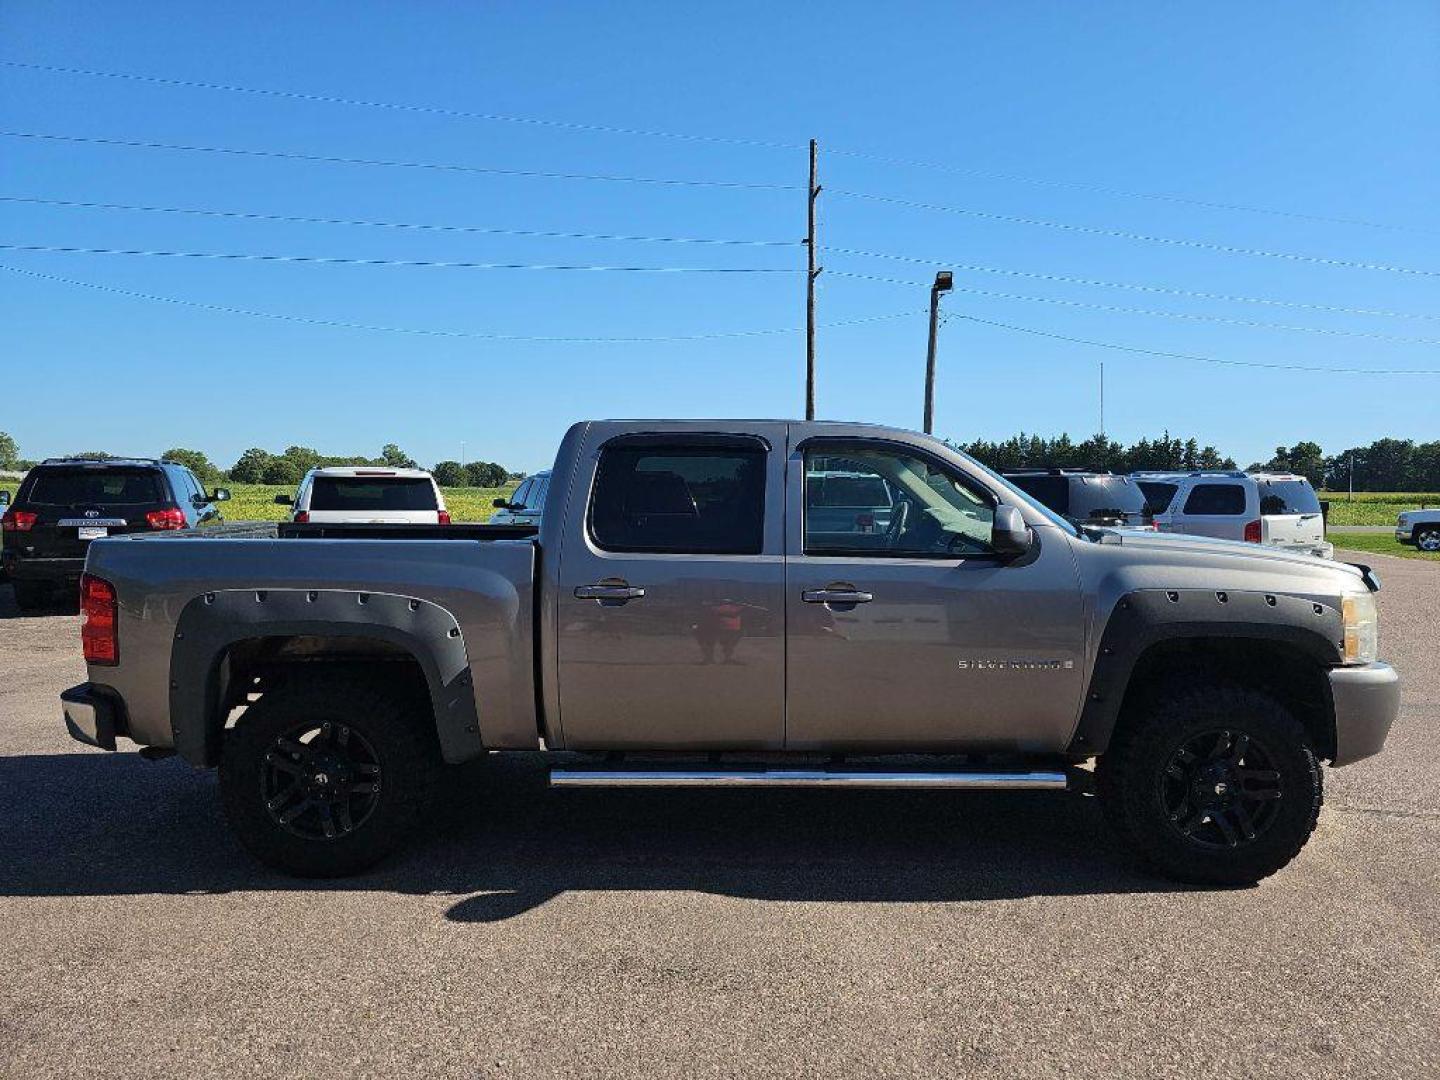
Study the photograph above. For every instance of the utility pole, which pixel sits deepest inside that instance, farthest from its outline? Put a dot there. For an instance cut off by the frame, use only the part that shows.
(944, 282)
(1102, 399)
(813, 192)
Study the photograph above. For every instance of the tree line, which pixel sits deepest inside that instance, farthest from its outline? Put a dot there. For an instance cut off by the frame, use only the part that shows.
(257, 466)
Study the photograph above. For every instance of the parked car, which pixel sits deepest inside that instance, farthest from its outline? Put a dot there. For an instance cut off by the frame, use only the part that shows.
(65, 503)
(840, 500)
(1419, 527)
(352, 495)
(679, 620)
(526, 504)
(1280, 509)
(1087, 498)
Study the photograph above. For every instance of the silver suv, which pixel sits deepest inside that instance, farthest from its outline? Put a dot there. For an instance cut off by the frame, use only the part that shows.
(1263, 508)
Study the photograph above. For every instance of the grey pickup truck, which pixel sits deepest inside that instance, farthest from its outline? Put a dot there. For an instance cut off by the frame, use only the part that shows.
(692, 611)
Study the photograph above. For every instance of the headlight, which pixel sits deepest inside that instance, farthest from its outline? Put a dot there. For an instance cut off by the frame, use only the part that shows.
(1362, 628)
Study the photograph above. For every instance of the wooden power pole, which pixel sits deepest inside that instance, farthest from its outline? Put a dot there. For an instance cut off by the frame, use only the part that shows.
(812, 272)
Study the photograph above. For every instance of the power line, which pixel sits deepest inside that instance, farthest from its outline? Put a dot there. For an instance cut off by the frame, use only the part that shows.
(288, 155)
(1166, 290)
(488, 230)
(481, 335)
(423, 263)
(433, 110)
(1187, 316)
(566, 125)
(1202, 359)
(1122, 234)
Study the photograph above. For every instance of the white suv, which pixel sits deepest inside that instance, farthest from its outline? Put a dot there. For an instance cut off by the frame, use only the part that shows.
(363, 495)
(1262, 508)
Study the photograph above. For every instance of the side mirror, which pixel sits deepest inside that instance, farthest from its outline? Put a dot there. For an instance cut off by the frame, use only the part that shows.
(220, 495)
(500, 504)
(284, 500)
(4, 498)
(1009, 535)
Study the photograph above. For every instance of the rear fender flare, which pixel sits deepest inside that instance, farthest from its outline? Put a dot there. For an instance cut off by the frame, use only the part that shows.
(214, 621)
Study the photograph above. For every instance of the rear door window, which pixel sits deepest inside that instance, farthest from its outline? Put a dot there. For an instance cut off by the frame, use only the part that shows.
(1288, 497)
(1216, 500)
(81, 486)
(365, 493)
(686, 499)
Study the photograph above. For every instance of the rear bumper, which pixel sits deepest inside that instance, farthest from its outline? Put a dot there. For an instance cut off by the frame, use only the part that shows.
(1367, 700)
(93, 715)
(55, 571)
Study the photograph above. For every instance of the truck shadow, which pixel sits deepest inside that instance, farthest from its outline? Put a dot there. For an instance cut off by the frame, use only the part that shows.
(503, 843)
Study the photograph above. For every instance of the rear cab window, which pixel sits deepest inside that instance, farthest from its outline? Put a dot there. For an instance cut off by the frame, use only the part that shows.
(1288, 497)
(93, 486)
(372, 493)
(1216, 500)
(682, 498)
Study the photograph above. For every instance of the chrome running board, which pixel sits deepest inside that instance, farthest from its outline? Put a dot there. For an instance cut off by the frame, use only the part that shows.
(977, 779)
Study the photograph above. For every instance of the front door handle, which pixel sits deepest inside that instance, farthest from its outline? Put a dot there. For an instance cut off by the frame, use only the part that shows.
(609, 591)
(836, 596)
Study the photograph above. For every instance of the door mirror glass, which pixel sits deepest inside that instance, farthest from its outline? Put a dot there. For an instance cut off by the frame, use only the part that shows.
(4, 498)
(220, 495)
(1010, 535)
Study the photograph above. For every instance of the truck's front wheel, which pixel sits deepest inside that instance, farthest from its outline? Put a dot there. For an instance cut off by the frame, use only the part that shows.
(326, 776)
(1212, 785)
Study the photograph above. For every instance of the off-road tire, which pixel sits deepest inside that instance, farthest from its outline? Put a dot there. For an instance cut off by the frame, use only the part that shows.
(395, 725)
(1131, 781)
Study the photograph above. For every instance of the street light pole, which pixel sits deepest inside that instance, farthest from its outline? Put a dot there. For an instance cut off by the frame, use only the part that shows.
(944, 281)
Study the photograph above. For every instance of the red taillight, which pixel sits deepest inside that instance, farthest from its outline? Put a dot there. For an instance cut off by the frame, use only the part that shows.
(17, 521)
(444, 517)
(172, 517)
(302, 517)
(99, 636)
(1252, 531)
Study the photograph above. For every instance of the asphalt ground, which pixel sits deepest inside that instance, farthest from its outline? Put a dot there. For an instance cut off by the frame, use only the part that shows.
(592, 933)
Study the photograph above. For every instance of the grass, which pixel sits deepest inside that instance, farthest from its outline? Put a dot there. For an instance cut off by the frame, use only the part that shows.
(1375, 507)
(1379, 544)
(256, 502)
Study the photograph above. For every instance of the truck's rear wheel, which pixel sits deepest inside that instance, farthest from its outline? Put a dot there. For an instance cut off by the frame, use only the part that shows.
(326, 776)
(1212, 785)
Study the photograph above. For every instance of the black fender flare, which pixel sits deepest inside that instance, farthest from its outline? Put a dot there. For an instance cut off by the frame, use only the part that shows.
(1146, 617)
(214, 621)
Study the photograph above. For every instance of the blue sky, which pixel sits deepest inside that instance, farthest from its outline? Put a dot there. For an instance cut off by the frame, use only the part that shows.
(1035, 110)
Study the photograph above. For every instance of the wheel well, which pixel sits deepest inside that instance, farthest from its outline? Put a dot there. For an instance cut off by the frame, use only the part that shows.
(1280, 670)
(249, 668)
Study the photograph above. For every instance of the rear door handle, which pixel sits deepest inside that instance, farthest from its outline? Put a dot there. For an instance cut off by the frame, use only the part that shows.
(836, 596)
(608, 592)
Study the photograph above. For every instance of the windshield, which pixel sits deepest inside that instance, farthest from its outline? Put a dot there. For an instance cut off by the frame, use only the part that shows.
(1288, 497)
(1017, 496)
(372, 493)
(103, 486)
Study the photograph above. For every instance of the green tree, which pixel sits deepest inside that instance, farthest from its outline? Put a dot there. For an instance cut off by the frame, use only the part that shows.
(9, 452)
(195, 461)
(283, 471)
(393, 456)
(449, 474)
(250, 468)
(93, 455)
(485, 474)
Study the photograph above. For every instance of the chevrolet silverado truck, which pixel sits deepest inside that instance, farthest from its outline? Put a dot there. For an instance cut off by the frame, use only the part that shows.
(682, 618)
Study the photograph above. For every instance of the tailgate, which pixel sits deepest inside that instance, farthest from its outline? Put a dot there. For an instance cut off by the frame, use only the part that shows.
(76, 504)
(1293, 530)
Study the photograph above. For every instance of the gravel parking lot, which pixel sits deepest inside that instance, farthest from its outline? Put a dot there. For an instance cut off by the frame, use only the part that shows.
(592, 933)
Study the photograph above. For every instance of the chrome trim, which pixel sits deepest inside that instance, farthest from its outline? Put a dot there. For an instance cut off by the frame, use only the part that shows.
(836, 596)
(851, 778)
(608, 592)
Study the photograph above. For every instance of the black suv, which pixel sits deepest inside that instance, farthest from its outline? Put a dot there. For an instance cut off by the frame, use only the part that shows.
(64, 503)
(1086, 497)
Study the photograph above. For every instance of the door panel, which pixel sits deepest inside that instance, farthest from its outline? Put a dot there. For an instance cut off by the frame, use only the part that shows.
(930, 653)
(698, 660)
